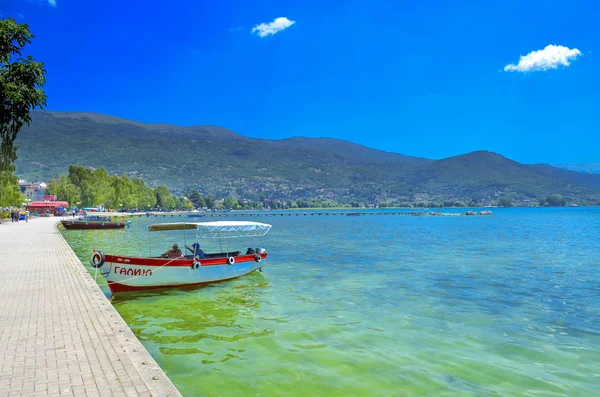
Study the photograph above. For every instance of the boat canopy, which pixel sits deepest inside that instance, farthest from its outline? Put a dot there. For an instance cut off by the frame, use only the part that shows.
(160, 227)
(221, 229)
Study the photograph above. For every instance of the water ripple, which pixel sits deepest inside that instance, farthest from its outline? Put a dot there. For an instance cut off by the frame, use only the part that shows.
(507, 305)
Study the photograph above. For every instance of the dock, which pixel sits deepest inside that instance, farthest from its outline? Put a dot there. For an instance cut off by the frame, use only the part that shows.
(59, 334)
(261, 213)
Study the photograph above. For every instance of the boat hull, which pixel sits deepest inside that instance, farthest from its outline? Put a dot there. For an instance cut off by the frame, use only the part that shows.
(132, 274)
(70, 225)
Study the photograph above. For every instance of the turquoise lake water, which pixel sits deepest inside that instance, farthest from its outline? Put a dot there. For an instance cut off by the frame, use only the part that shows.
(501, 305)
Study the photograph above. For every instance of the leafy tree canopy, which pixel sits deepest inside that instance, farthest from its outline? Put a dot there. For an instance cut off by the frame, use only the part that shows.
(555, 201)
(504, 202)
(84, 187)
(21, 79)
(164, 198)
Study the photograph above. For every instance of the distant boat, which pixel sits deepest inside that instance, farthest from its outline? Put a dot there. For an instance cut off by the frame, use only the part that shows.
(92, 224)
(195, 214)
(353, 214)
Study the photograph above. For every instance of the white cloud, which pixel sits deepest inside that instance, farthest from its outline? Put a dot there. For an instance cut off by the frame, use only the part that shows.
(549, 58)
(266, 29)
(52, 3)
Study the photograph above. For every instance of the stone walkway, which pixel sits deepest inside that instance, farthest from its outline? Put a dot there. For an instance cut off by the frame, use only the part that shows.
(59, 335)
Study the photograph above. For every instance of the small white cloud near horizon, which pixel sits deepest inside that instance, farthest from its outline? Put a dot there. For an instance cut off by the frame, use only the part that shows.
(52, 3)
(549, 58)
(278, 24)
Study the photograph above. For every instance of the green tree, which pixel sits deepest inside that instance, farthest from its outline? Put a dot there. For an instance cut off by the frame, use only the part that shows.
(209, 201)
(64, 190)
(196, 198)
(230, 202)
(555, 201)
(145, 196)
(504, 202)
(78, 174)
(147, 200)
(21, 79)
(102, 191)
(164, 198)
(301, 203)
(10, 194)
(542, 202)
(97, 187)
(183, 203)
(123, 188)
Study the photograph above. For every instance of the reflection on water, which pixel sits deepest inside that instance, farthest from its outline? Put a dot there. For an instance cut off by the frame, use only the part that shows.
(173, 319)
(383, 305)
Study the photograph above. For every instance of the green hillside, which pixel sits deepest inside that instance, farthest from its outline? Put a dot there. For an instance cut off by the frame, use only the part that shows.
(590, 168)
(485, 174)
(219, 161)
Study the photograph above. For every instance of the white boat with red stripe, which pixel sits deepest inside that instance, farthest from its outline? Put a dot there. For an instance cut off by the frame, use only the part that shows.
(127, 273)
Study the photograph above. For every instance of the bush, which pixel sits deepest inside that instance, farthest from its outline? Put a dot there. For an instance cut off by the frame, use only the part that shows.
(504, 202)
(555, 201)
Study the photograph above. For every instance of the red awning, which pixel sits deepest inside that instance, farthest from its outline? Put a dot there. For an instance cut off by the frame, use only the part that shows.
(44, 204)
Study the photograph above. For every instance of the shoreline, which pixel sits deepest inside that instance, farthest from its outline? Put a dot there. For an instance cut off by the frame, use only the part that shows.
(58, 322)
(341, 210)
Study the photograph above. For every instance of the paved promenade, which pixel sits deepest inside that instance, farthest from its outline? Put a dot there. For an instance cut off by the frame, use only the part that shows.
(59, 335)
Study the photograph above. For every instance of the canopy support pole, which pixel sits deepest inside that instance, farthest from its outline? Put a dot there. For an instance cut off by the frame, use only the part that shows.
(220, 242)
(184, 242)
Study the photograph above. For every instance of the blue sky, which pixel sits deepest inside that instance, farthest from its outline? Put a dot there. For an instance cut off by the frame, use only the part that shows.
(422, 78)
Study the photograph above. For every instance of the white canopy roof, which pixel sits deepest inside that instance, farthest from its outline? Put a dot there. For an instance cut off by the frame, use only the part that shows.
(220, 229)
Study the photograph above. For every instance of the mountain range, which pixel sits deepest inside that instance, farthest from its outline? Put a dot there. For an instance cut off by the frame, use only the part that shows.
(221, 162)
(593, 168)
